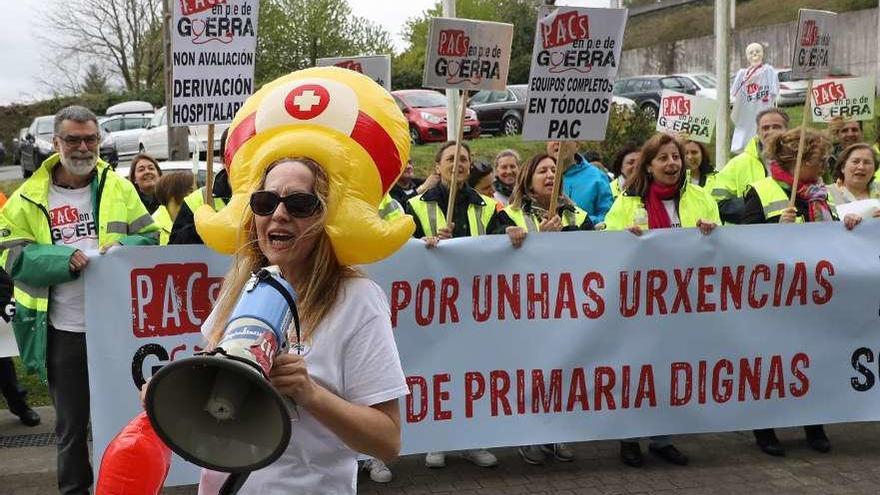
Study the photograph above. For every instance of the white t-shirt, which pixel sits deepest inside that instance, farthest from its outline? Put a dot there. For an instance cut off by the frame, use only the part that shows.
(674, 221)
(72, 221)
(352, 354)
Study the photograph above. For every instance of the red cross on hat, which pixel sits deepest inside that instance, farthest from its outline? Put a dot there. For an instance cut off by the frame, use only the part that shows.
(307, 101)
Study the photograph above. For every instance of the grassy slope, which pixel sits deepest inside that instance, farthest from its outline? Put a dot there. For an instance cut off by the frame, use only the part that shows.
(694, 21)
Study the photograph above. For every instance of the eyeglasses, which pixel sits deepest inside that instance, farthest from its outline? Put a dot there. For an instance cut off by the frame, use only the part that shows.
(298, 204)
(74, 141)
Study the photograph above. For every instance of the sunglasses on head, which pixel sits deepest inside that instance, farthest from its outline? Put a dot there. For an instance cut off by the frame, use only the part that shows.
(298, 204)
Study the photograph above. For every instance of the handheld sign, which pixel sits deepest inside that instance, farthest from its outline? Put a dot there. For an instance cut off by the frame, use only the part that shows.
(811, 59)
(213, 50)
(811, 56)
(847, 99)
(467, 55)
(376, 67)
(574, 64)
(689, 116)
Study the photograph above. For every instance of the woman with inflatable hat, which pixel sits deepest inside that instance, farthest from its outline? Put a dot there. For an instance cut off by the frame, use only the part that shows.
(347, 382)
(474, 214)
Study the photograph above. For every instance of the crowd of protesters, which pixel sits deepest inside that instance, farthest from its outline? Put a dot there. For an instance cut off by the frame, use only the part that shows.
(664, 182)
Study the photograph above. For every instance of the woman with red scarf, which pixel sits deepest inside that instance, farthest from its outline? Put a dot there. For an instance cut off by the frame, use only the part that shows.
(767, 201)
(658, 195)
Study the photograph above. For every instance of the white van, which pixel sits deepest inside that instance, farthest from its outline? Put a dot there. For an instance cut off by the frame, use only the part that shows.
(125, 122)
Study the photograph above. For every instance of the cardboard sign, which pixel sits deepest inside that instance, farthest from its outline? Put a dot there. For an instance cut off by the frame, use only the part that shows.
(691, 117)
(377, 68)
(213, 46)
(848, 99)
(811, 56)
(467, 55)
(574, 64)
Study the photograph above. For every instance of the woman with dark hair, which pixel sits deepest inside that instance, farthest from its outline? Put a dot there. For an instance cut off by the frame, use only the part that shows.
(853, 175)
(700, 170)
(659, 196)
(529, 206)
(170, 192)
(625, 162)
(474, 213)
(506, 169)
(144, 173)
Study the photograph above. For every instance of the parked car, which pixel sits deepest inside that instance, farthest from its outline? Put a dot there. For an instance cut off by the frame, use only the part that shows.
(425, 110)
(791, 92)
(126, 121)
(16, 145)
(37, 144)
(646, 90)
(154, 140)
(108, 149)
(705, 83)
(500, 112)
(179, 166)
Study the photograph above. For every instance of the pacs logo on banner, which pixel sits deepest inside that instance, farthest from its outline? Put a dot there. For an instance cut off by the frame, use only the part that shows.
(671, 332)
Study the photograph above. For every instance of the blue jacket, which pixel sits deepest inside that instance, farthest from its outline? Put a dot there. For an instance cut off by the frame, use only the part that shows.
(589, 188)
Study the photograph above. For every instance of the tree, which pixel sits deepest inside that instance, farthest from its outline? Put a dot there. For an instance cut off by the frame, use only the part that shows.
(95, 81)
(122, 35)
(409, 66)
(293, 34)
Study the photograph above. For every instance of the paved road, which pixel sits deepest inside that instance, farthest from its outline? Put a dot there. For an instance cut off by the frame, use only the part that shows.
(9, 172)
(722, 463)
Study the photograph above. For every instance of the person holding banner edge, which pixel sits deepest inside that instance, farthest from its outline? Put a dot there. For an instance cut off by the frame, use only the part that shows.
(528, 208)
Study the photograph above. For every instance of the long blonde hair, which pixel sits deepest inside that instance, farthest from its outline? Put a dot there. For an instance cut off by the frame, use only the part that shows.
(319, 289)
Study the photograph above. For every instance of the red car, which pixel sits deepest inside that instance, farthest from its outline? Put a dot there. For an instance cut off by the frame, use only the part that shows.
(426, 111)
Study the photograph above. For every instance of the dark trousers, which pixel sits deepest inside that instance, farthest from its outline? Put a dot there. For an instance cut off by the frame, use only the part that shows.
(13, 394)
(69, 387)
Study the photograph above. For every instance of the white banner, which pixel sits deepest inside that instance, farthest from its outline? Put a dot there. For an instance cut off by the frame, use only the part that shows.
(847, 99)
(467, 55)
(691, 117)
(213, 47)
(574, 65)
(811, 56)
(377, 68)
(669, 333)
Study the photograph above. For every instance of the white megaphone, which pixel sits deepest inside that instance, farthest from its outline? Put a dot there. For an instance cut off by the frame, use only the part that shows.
(218, 409)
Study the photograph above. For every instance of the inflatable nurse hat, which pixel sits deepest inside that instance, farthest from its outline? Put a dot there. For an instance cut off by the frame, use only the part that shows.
(346, 123)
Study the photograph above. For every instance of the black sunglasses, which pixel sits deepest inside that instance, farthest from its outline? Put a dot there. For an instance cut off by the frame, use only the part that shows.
(298, 204)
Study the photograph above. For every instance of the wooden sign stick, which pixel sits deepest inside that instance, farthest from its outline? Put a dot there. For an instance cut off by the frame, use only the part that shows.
(453, 185)
(209, 177)
(800, 152)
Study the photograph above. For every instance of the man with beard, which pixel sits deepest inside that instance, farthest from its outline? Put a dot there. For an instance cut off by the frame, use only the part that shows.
(74, 205)
(843, 134)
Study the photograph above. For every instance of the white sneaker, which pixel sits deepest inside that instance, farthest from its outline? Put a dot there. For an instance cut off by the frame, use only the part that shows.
(435, 459)
(480, 457)
(379, 472)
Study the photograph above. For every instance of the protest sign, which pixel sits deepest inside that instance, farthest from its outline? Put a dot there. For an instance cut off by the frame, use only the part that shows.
(377, 68)
(691, 117)
(467, 55)
(668, 333)
(574, 64)
(811, 56)
(847, 99)
(213, 46)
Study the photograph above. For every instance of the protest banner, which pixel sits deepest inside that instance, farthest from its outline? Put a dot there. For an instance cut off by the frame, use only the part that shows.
(668, 333)
(811, 55)
(691, 117)
(213, 47)
(376, 67)
(467, 55)
(848, 99)
(574, 64)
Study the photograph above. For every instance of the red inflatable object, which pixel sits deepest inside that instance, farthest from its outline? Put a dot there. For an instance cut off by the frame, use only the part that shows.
(135, 462)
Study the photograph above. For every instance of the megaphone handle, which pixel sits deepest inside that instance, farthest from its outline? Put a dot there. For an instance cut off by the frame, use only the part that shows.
(233, 483)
